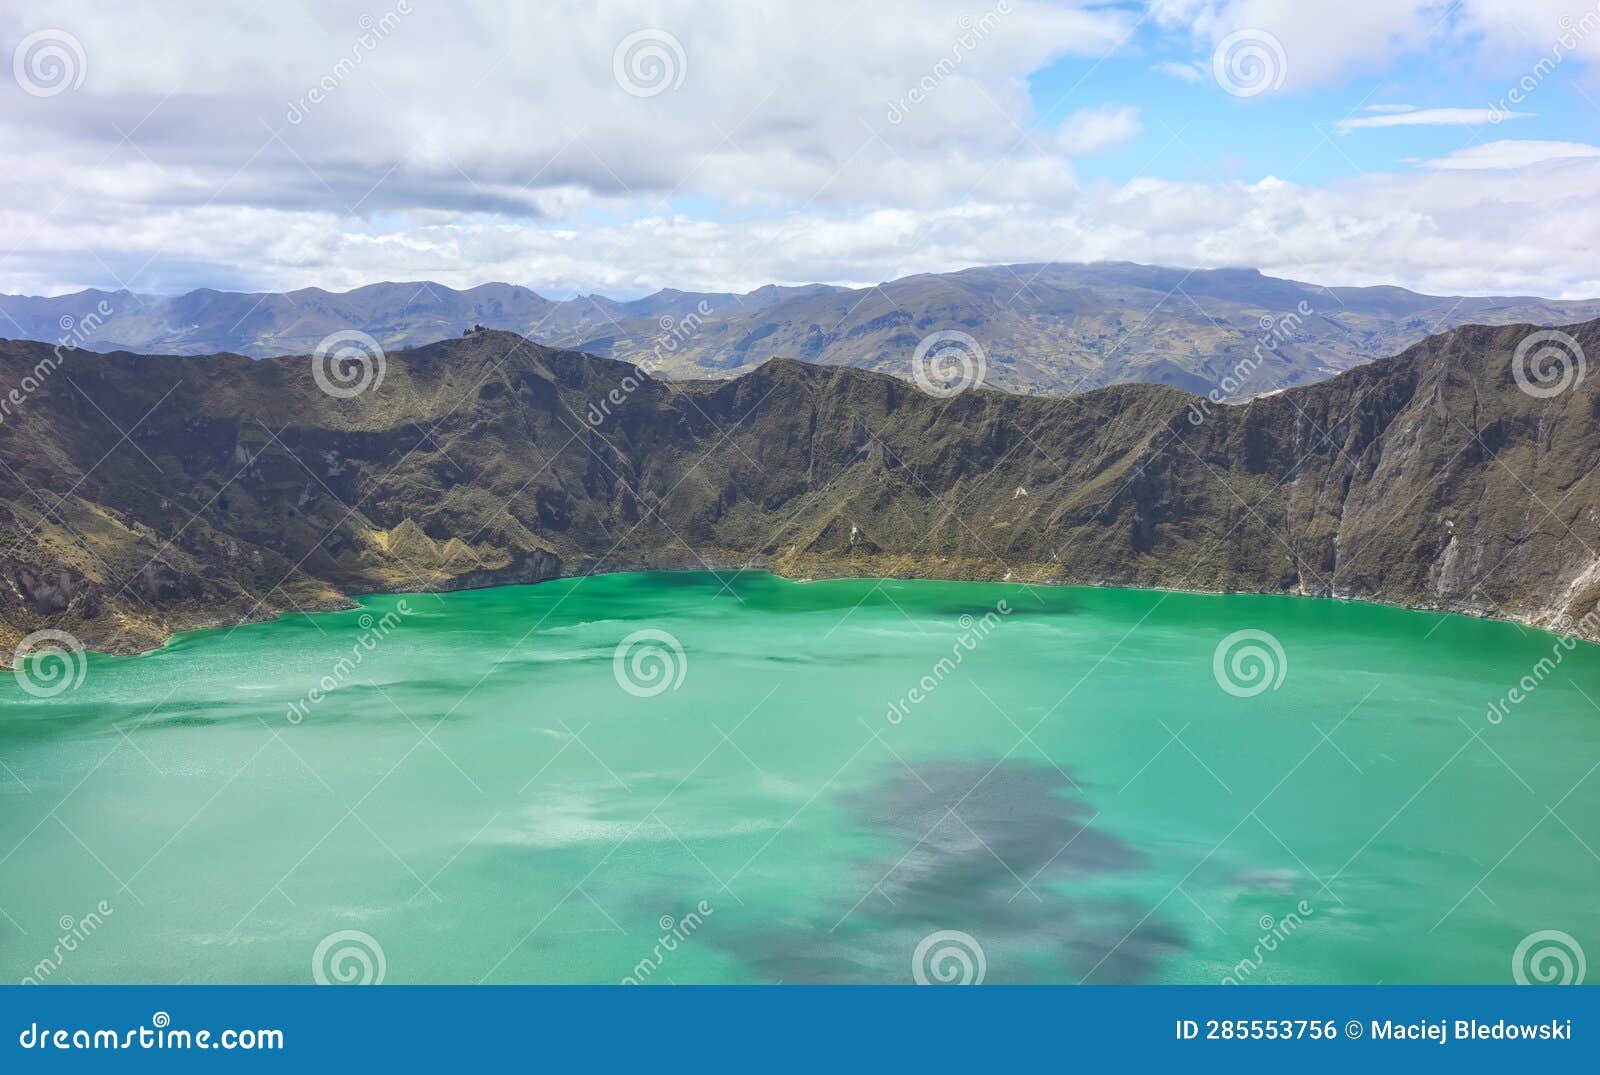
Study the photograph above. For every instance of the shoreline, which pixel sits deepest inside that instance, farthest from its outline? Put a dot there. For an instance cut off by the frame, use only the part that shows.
(352, 601)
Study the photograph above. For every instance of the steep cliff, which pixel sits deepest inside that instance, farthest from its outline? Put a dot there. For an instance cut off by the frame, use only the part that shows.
(141, 495)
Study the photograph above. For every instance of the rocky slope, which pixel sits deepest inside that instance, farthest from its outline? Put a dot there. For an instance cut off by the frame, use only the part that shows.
(142, 495)
(1050, 329)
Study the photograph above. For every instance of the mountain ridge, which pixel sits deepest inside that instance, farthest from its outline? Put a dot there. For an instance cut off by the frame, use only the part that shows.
(144, 495)
(1045, 328)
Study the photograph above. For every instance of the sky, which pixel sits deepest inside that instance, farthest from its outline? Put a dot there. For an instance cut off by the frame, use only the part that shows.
(618, 148)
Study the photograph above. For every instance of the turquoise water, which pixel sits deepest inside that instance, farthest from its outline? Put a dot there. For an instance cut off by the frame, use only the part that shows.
(480, 799)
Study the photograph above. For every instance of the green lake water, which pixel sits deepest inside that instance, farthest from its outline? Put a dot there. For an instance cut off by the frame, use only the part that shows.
(1079, 798)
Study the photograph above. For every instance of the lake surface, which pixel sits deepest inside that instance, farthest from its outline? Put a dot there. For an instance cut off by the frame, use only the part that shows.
(779, 781)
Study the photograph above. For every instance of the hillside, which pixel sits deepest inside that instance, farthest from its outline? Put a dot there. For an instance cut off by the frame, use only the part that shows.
(143, 495)
(1045, 329)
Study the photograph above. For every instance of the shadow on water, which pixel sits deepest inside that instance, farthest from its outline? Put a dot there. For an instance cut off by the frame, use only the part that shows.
(992, 851)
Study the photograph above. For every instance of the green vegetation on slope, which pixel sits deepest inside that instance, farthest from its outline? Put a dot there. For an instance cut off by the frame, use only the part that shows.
(142, 495)
(1048, 329)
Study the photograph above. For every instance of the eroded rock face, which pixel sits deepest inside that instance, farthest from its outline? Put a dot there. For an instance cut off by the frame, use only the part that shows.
(43, 592)
(152, 494)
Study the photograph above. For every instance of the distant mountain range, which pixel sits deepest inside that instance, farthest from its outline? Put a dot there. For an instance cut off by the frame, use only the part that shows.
(1050, 329)
(143, 495)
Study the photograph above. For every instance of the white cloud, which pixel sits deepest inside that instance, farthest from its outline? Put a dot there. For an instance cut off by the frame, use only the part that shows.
(1387, 109)
(1322, 40)
(829, 141)
(1431, 117)
(1095, 130)
(1512, 154)
(490, 107)
(1326, 41)
(1187, 72)
(1517, 29)
(1441, 231)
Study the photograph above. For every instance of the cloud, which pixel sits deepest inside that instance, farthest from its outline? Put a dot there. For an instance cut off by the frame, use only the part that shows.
(1389, 108)
(1518, 29)
(1322, 41)
(1508, 154)
(302, 145)
(1441, 231)
(1187, 72)
(1431, 117)
(1095, 130)
(368, 107)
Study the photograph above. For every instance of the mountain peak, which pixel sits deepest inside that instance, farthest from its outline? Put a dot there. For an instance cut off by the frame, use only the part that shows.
(1047, 328)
